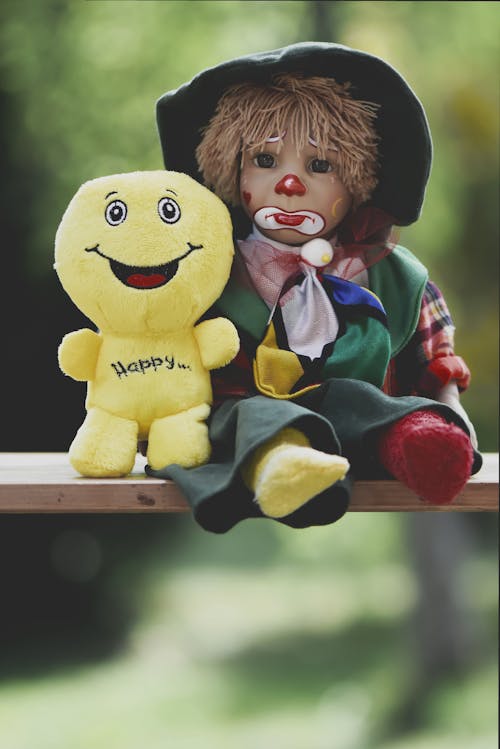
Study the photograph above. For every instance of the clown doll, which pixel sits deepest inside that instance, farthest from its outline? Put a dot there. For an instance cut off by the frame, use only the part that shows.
(346, 367)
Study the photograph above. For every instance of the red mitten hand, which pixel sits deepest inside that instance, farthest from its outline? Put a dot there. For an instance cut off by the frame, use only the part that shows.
(428, 454)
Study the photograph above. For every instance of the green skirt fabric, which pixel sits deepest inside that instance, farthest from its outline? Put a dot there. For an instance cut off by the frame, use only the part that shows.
(342, 416)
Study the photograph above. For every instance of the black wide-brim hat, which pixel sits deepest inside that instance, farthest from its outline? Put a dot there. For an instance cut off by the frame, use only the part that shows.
(405, 147)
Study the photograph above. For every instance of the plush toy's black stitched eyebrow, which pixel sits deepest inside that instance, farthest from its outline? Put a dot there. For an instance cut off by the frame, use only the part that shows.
(167, 189)
(110, 193)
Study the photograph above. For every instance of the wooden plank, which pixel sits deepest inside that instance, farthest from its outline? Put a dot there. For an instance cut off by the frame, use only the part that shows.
(46, 483)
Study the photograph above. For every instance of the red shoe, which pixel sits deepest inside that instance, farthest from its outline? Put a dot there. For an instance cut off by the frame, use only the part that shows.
(431, 456)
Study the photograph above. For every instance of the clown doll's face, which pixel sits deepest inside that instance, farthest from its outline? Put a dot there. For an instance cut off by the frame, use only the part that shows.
(292, 197)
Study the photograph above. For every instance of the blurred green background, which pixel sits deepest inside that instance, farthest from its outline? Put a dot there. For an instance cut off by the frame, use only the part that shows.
(147, 632)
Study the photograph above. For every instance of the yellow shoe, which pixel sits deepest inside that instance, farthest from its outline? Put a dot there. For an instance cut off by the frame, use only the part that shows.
(287, 472)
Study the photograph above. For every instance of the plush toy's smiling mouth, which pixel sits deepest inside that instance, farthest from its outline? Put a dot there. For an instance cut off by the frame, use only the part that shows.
(145, 276)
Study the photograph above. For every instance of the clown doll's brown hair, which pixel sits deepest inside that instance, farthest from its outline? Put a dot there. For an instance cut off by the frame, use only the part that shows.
(316, 107)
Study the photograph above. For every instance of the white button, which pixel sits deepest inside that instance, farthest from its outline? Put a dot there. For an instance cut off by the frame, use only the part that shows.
(317, 252)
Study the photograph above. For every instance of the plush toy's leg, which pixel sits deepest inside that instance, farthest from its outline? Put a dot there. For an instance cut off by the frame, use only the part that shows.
(286, 472)
(105, 445)
(181, 438)
(428, 454)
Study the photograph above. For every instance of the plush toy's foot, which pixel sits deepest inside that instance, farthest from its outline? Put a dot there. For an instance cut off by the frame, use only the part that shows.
(105, 445)
(181, 438)
(428, 454)
(287, 472)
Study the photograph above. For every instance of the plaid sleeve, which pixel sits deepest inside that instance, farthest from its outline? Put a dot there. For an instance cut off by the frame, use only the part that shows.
(428, 362)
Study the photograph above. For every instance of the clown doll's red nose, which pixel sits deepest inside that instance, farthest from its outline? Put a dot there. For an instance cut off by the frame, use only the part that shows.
(290, 185)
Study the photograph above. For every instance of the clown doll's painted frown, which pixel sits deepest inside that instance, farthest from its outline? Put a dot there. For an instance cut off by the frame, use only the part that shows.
(346, 367)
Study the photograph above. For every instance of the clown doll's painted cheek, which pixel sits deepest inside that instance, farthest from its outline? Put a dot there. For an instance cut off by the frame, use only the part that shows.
(336, 206)
(245, 192)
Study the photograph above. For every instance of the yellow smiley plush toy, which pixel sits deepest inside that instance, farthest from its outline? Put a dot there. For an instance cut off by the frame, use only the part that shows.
(144, 255)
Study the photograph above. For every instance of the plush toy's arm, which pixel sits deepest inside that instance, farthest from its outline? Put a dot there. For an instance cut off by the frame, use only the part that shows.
(218, 342)
(449, 394)
(78, 354)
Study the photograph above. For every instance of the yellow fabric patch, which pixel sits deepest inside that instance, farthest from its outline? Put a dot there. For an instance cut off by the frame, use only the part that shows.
(277, 370)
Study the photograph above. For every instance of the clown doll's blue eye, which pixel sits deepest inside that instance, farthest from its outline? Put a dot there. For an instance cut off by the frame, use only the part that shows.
(169, 210)
(320, 166)
(264, 160)
(116, 213)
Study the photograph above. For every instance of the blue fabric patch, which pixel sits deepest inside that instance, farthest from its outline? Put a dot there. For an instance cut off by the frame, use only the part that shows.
(349, 293)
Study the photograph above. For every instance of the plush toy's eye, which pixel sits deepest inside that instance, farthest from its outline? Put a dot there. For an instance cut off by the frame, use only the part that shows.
(169, 210)
(116, 213)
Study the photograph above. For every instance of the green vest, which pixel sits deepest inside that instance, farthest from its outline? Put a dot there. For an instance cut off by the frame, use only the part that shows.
(399, 281)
